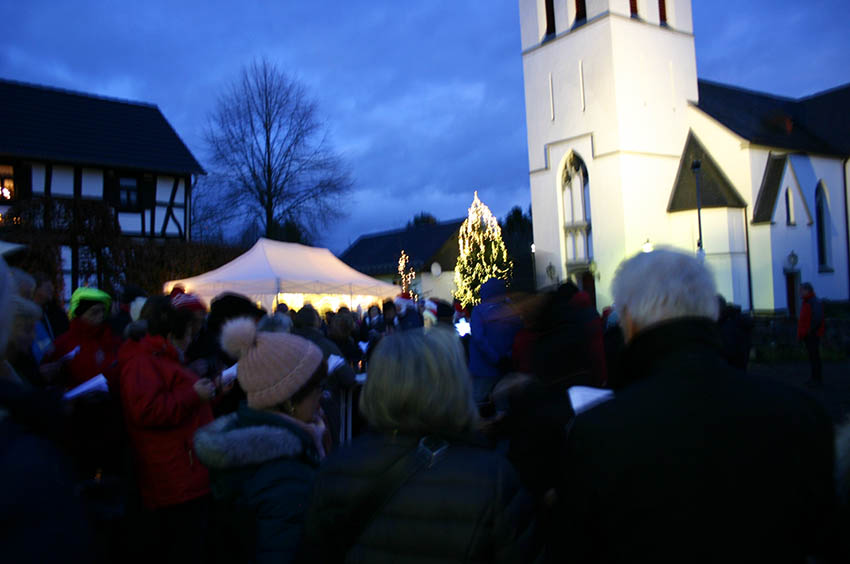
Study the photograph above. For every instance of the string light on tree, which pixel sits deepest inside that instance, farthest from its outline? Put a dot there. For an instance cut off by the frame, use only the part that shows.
(405, 273)
(482, 253)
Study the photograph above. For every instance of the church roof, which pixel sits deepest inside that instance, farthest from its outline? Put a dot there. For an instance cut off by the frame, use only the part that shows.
(815, 124)
(769, 191)
(716, 190)
(50, 124)
(378, 253)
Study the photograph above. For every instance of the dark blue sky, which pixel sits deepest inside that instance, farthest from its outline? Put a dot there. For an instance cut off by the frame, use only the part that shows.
(424, 99)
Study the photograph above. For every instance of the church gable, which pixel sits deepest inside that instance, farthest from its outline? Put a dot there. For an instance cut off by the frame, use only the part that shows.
(771, 191)
(716, 190)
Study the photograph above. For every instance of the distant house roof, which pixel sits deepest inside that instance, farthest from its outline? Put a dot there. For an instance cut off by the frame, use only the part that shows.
(716, 190)
(378, 253)
(769, 191)
(38, 122)
(816, 124)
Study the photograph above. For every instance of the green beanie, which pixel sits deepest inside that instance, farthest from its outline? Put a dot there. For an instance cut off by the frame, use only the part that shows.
(88, 294)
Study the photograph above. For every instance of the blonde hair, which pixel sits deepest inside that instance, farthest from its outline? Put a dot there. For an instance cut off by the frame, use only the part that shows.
(418, 384)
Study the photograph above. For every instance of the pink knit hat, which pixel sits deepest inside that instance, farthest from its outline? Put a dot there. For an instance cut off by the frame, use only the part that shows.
(272, 366)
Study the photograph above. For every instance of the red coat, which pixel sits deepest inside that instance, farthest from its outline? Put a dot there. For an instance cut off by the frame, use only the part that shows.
(163, 411)
(98, 352)
(811, 314)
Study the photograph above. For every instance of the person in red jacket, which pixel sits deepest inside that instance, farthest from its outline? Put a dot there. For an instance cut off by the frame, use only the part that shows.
(810, 328)
(89, 347)
(164, 404)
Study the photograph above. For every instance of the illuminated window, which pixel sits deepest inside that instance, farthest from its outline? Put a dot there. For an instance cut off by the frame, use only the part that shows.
(128, 193)
(550, 18)
(7, 183)
(581, 11)
(633, 8)
(662, 11)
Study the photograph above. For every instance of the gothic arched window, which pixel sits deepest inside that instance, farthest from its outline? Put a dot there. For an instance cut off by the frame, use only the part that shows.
(822, 226)
(576, 192)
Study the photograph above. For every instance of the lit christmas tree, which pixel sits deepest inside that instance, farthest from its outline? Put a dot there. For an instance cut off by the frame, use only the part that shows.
(482, 253)
(406, 274)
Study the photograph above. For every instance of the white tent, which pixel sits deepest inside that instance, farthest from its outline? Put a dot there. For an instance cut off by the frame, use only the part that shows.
(271, 272)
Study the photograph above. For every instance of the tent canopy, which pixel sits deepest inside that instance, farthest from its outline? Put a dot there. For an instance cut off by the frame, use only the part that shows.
(271, 268)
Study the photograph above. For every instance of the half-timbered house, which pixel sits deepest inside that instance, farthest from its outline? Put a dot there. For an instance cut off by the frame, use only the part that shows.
(60, 147)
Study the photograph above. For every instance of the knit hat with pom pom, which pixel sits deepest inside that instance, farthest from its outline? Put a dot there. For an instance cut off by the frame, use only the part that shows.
(272, 366)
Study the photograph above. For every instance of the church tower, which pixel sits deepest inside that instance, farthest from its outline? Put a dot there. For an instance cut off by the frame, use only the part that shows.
(607, 88)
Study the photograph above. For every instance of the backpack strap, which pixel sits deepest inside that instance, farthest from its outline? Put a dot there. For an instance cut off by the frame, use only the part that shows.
(426, 454)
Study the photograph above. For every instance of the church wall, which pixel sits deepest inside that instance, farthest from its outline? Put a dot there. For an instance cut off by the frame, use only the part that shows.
(743, 168)
(809, 170)
(431, 286)
(725, 245)
(653, 84)
(571, 111)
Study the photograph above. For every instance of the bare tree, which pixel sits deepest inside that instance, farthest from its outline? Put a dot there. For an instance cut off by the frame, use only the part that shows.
(271, 152)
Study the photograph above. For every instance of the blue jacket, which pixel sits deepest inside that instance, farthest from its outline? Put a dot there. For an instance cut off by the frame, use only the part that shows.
(493, 327)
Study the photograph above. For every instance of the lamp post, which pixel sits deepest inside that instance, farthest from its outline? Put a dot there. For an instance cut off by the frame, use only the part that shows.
(533, 266)
(695, 167)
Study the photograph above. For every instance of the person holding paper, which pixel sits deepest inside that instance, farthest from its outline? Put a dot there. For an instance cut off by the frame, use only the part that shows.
(164, 404)
(263, 458)
(693, 460)
(97, 347)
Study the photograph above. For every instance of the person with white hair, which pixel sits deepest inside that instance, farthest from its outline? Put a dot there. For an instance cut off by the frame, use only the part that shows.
(692, 459)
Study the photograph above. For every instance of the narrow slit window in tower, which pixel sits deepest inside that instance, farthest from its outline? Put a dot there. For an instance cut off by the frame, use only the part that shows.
(662, 11)
(550, 18)
(633, 8)
(581, 11)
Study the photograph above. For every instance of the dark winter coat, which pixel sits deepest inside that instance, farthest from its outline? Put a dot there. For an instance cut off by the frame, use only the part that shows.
(43, 520)
(262, 468)
(493, 327)
(467, 507)
(163, 411)
(695, 461)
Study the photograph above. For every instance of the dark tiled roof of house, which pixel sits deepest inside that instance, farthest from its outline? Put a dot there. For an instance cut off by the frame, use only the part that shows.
(38, 122)
(716, 190)
(378, 253)
(816, 124)
(769, 191)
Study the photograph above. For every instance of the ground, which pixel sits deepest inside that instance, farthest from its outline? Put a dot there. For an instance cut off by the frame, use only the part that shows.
(835, 392)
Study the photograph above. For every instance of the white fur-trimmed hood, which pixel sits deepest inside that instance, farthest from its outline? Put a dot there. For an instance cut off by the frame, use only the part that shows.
(224, 444)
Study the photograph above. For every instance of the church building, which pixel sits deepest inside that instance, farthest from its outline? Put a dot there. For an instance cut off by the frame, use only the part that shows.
(628, 150)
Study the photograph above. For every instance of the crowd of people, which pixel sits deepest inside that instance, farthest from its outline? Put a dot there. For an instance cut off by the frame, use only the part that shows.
(161, 427)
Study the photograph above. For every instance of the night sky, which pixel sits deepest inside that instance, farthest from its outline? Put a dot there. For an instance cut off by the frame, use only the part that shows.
(423, 99)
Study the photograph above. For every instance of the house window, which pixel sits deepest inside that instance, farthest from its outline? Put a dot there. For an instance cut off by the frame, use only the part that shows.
(550, 18)
(128, 193)
(662, 11)
(822, 226)
(7, 183)
(581, 11)
(789, 207)
(633, 8)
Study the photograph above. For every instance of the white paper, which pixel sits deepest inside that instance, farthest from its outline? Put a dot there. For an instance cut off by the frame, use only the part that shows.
(334, 362)
(70, 355)
(584, 397)
(462, 327)
(96, 384)
(360, 378)
(363, 346)
(228, 375)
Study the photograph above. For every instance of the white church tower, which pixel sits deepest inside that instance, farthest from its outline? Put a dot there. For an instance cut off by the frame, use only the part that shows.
(607, 89)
